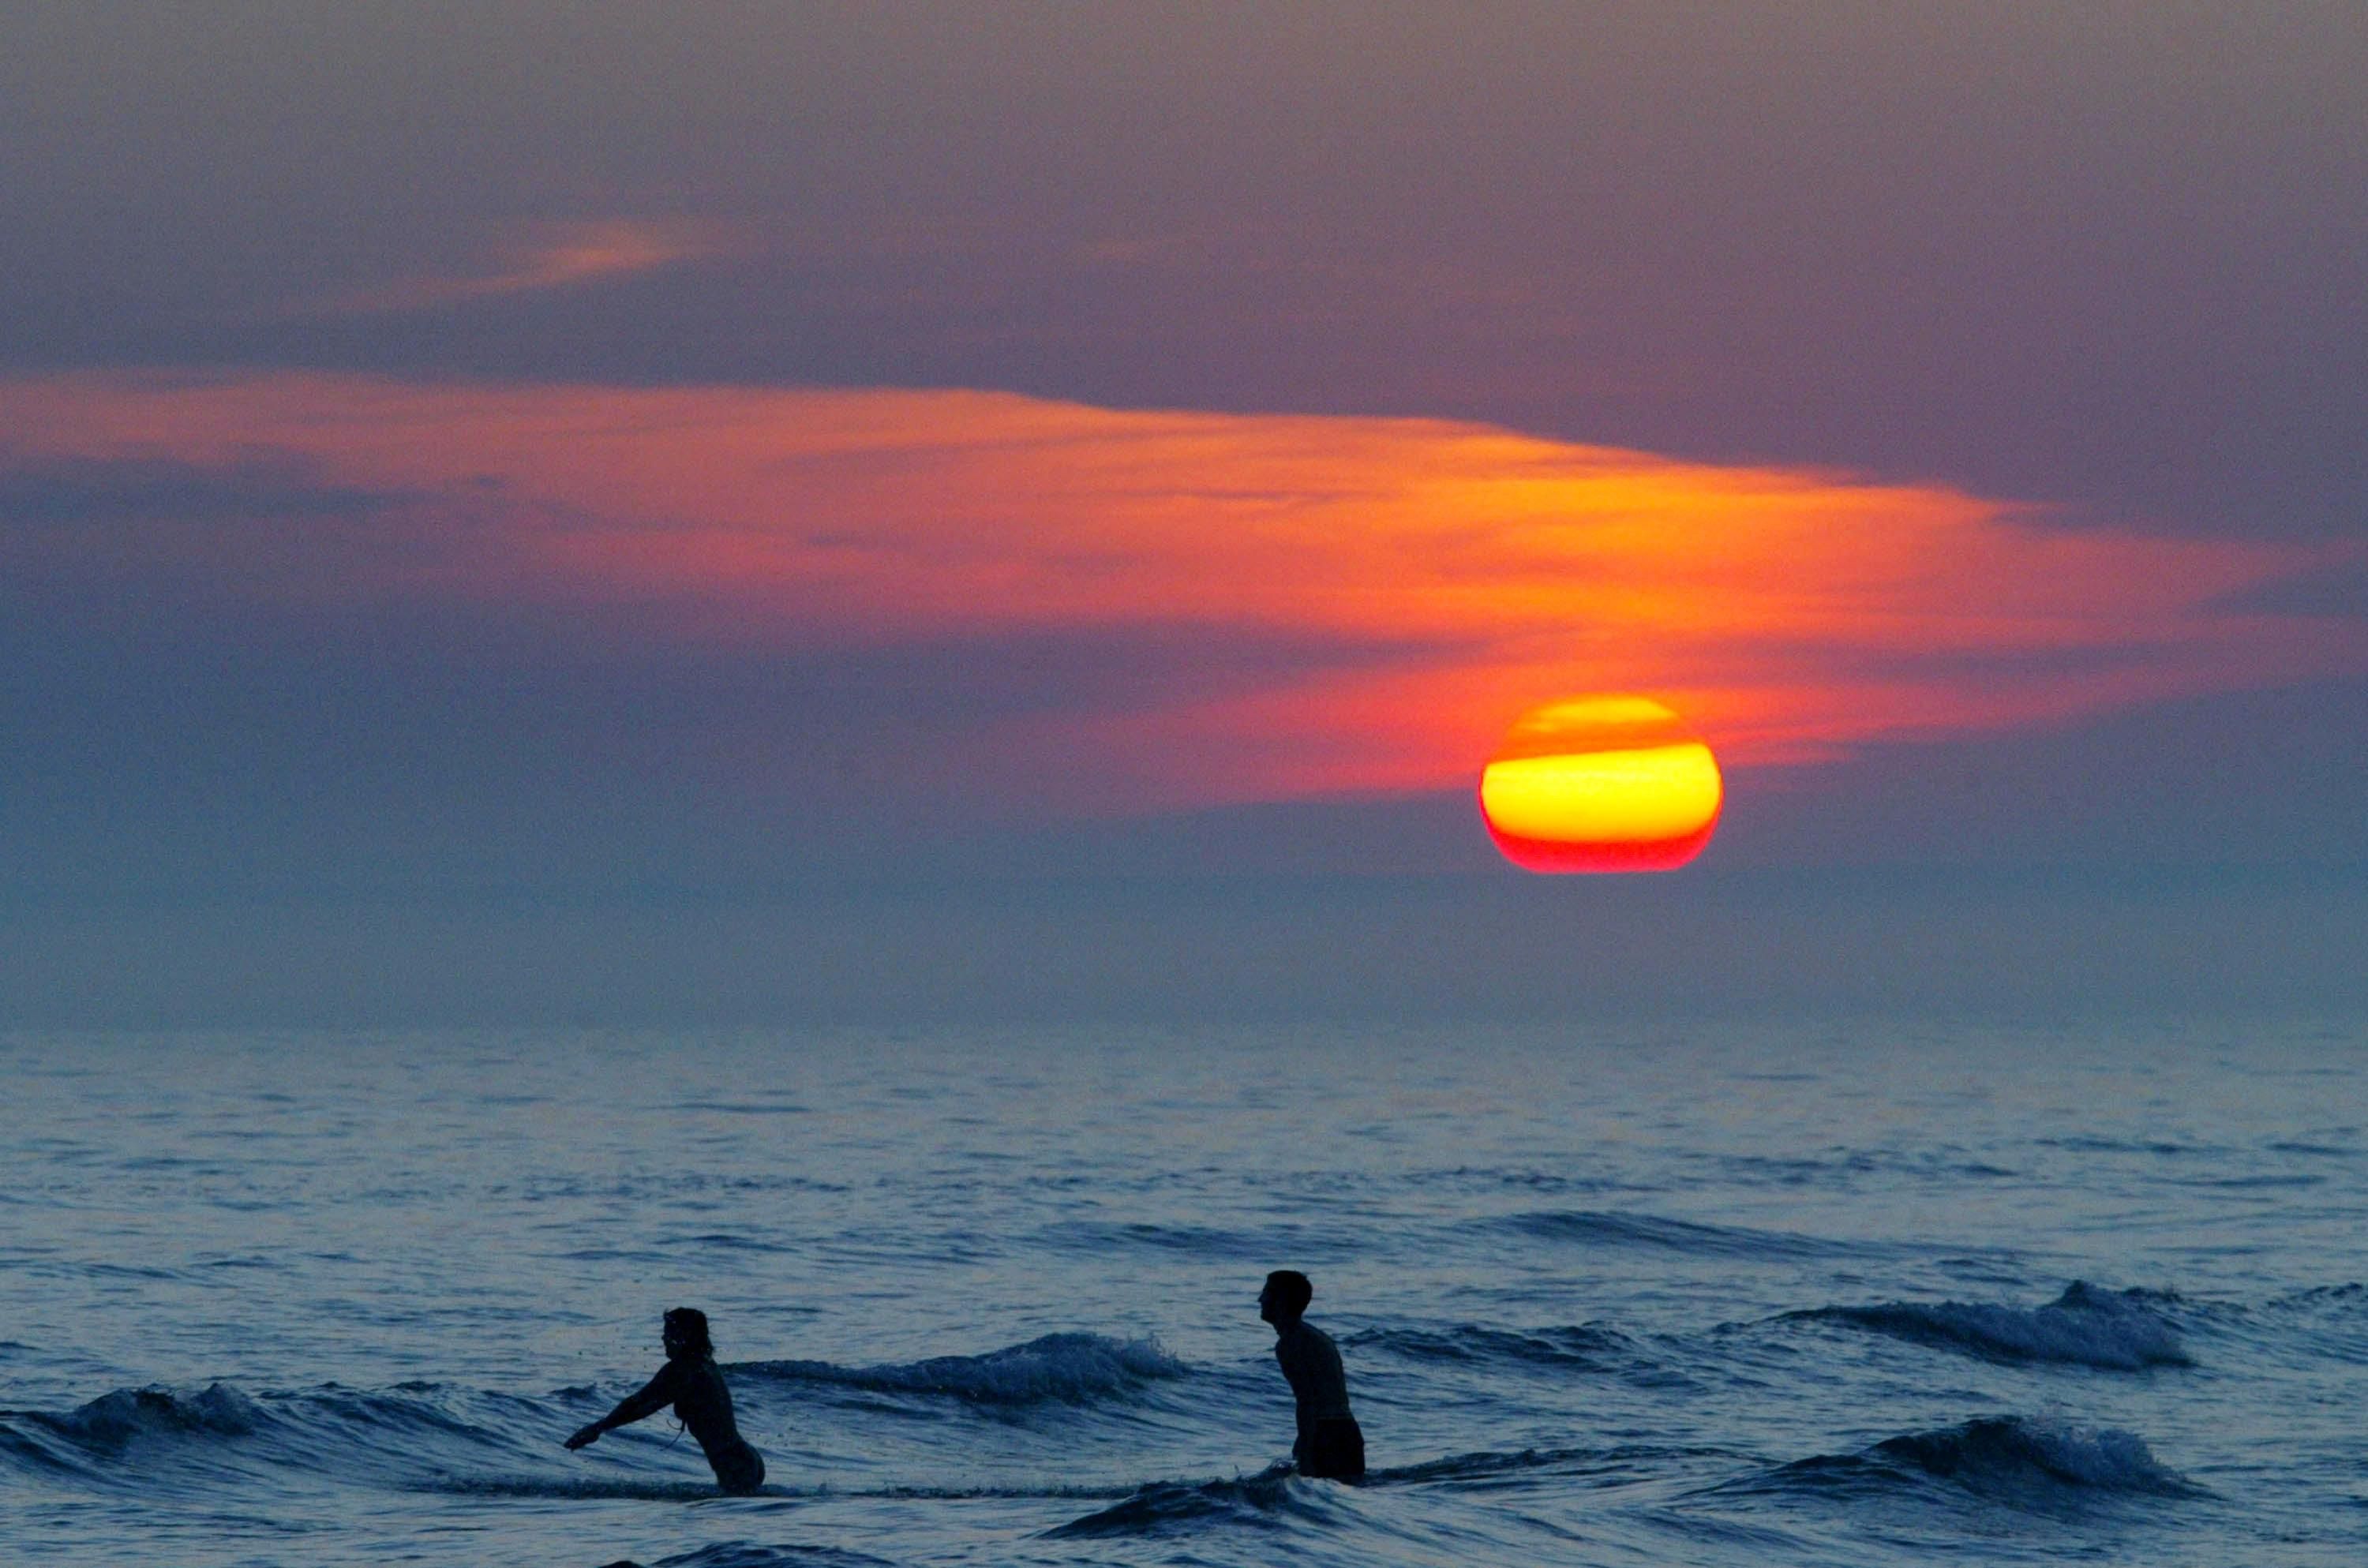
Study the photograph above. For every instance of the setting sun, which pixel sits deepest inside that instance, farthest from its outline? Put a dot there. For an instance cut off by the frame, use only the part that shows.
(1600, 784)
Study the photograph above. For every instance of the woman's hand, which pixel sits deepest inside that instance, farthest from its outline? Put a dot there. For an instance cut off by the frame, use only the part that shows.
(585, 1436)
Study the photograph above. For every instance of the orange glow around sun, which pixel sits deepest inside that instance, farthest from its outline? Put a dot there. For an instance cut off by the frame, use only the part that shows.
(1329, 604)
(1603, 783)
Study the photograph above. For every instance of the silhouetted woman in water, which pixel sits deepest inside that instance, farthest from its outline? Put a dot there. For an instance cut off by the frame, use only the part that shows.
(690, 1383)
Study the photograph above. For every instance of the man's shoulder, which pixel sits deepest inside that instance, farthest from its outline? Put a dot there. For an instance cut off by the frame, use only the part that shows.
(1302, 1338)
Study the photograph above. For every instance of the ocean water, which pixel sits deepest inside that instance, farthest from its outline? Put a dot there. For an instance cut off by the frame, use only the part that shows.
(1867, 1294)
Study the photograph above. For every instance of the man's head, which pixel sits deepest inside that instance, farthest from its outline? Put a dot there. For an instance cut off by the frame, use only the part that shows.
(686, 1333)
(1285, 1297)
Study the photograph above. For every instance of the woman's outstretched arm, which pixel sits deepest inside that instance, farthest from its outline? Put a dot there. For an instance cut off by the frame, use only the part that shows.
(652, 1397)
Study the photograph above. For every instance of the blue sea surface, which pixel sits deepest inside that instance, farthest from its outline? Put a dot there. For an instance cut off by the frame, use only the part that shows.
(1874, 1293)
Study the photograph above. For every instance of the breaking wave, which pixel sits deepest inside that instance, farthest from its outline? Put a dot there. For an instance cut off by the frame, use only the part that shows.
(2117, 1330)
(2012, 1450)
(396, 1434)
(2013, 1460)
(109, 1423)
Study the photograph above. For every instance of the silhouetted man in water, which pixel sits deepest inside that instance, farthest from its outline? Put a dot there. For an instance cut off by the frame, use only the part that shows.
(690, 1383)
(1330, 1447)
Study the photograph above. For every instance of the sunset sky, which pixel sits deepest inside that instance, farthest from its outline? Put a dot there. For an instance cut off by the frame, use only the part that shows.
(526, 512)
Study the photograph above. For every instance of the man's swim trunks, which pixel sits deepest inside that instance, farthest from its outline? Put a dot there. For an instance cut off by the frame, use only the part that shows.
(1333, 1450)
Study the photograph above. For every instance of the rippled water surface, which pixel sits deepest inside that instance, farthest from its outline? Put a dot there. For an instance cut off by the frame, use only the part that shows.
(1870, 1295)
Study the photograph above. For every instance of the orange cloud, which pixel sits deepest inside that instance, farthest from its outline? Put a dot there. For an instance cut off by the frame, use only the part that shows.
(1786, 614)
(549, 257)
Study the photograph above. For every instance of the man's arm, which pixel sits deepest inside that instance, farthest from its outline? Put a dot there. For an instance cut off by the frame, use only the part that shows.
(652, 1397)
(1291, 1354)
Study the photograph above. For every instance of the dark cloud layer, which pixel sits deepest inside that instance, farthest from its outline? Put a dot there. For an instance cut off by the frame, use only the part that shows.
(87, 493)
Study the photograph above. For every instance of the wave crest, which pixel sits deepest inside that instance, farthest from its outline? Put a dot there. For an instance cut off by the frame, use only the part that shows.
(1264, 1501)
(1603, 1228)
(2011, 1449)
(2120, 1331)
(1585, 1345)
(110, 1423)
(330, 1429)
(748, 1554)
(2024, 1463)
(1069, 1368)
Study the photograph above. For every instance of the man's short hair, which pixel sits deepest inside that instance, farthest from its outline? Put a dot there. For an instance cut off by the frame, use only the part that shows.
(1293, 1290)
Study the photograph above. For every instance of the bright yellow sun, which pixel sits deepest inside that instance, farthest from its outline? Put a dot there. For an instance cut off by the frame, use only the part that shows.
(1603, 783)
